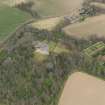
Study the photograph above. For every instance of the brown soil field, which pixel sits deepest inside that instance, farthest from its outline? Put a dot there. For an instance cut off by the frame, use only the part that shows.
(57, 7)
(83, 89)
(98, 5)
(11, 2)
(91, 26)
(50, 8)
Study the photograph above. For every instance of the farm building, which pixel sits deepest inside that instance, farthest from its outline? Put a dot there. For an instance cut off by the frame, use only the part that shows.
(96, 49)
(41, 47)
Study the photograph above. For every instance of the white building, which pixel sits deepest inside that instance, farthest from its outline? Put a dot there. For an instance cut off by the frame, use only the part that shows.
(41, 47)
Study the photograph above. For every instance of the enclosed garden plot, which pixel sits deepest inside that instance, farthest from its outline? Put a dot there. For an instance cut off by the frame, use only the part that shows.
(94, 49)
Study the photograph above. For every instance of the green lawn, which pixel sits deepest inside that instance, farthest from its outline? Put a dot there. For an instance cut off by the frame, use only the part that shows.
(10, 18)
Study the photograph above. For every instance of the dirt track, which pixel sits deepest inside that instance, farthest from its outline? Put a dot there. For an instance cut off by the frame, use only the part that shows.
(82, 89)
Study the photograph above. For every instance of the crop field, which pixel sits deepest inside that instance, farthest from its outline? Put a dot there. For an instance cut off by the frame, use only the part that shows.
(98, 5)
(56, 7)
(10, 19)
(11, 2)
(51, 8)
(83, 89)
(91, 26)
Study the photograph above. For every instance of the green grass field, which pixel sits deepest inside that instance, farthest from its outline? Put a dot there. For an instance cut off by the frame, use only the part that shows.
(10, 18)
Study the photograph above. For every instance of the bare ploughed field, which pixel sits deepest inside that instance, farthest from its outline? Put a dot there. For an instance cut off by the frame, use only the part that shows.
(83, 89)
(57, 7)
(50, 8)
(91, 26)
